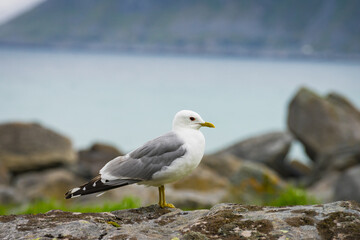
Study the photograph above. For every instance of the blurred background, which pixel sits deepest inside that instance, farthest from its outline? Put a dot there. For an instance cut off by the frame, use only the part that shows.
(84, 81)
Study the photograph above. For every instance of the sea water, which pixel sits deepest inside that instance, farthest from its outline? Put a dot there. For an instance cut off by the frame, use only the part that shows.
(125, 100)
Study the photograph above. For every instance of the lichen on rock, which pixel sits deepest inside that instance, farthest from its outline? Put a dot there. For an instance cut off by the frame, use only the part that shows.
(338, 220)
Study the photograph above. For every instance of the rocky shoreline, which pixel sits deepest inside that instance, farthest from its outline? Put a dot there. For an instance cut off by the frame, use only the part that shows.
(338, 220)
(38, 163)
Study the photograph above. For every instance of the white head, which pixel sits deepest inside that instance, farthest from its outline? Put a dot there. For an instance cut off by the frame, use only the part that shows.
(189, 119)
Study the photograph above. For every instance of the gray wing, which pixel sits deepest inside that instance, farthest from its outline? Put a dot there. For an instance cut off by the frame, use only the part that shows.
(148, 159)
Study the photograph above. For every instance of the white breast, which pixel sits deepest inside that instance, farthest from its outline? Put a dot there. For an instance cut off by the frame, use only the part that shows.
(195, 146)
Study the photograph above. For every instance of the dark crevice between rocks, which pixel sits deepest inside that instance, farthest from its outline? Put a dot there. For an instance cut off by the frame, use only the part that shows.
(39, 169)
(102, 235)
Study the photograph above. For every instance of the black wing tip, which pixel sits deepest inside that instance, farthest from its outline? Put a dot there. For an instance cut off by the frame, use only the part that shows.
(73, 193)
(95, 186)
(69, 195)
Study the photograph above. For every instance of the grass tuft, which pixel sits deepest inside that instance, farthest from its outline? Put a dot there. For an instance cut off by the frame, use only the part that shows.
(43, 206)
(293, 196)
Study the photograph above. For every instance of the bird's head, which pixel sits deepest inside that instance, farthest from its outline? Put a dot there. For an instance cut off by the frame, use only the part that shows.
(189, 119)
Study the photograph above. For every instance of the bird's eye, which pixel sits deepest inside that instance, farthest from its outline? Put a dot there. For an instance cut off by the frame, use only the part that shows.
(192, 118)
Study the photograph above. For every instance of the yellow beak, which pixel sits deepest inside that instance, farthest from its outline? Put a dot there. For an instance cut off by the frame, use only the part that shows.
(207, 124)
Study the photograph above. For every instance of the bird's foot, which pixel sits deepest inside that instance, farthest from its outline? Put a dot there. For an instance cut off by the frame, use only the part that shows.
(167, 205)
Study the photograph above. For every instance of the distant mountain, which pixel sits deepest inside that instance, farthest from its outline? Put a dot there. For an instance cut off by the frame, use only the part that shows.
(320, 28)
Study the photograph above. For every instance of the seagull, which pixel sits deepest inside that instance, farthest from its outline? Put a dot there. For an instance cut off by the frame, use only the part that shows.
(160, 161)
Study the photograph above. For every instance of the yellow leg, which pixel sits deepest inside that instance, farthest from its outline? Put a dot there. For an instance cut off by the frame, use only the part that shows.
(162, 201)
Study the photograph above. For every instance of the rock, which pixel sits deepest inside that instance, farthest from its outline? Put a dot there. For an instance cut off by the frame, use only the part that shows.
(223, 164)
(10, 196)
(341, 101)
(146, 195)
(201, 189)
(299, 168)
(324, 189)
(202, 179)
(338, 220)
(191, 199)
(254, 183)
(269, 149)
(206, 187)
(225, 177)
(347, 187)
(4, 174)
(93, 159)
(48, 184)
(26, 147)
(294, 169)
(329, 129)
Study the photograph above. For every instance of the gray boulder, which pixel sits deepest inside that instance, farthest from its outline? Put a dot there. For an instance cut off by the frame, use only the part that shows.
(299, 168)
(254, 183)
(201, 189)
(347, 187)
(269, 149)
(25, 146)
(226, 178)
(48, 184)
(4, 174)
(338, 220)
(328, 127)
(223, 164)
(10, 196)
(93, 159)
(324, 188)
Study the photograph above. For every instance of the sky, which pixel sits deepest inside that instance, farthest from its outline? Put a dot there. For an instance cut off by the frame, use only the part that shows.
(12, 8)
